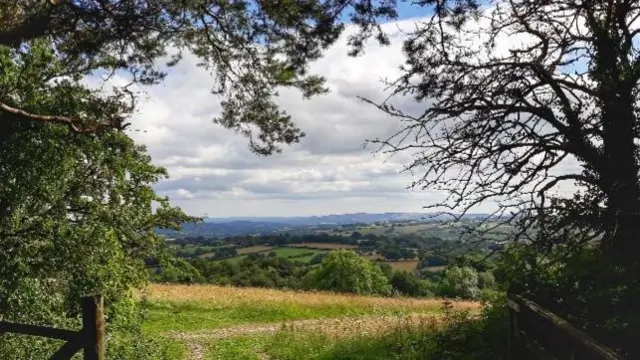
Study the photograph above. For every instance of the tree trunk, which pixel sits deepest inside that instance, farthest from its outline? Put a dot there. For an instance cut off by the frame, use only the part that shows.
(621, 183)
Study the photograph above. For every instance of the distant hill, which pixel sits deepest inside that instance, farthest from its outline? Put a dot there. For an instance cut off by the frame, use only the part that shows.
(342, 219)
(240, 226)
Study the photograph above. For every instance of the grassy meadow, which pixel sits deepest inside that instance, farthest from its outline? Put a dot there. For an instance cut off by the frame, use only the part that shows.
(215, 322)
(253, 249)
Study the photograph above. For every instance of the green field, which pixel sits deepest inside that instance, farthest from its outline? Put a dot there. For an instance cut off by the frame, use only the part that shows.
(297, 254)
(214, 322)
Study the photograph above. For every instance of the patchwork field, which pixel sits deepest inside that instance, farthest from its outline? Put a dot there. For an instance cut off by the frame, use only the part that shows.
(253, 249)
(328, 246)
(406, 265)
(214, 322)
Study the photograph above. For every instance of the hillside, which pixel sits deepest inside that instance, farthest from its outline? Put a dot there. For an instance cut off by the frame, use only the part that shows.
(240, 226)
(214, 322)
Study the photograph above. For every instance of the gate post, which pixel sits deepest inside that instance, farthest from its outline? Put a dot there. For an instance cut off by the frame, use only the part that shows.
(93, 327)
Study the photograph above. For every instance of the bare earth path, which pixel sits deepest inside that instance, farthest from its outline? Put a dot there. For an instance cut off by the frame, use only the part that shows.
(334, 327)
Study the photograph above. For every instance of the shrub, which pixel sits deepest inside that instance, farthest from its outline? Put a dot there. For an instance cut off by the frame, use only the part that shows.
(346, 271)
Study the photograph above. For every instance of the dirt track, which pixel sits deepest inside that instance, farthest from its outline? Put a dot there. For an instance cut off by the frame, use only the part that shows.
(333, 327)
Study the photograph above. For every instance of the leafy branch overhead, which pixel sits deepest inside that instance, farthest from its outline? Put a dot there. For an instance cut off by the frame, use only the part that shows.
(250, 47)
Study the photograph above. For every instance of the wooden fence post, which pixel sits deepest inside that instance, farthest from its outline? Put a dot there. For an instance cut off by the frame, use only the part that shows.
(93, 327)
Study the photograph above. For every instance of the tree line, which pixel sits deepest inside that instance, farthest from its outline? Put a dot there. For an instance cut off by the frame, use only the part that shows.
(339, 271)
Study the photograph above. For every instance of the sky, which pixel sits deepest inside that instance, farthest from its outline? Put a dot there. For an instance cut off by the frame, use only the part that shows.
(213, 173)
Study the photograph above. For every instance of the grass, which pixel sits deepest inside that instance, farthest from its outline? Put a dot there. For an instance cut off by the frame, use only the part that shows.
(410, 340)
(288, 252)
(344, 342)
(327, 246)
(253, 249)
(249, 323)
(198, 307)
(407, 265)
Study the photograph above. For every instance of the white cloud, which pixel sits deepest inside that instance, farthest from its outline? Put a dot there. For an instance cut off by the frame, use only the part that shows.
(212, 171)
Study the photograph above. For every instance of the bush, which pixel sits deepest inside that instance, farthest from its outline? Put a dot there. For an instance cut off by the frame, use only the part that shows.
(460, 282)
(125, 339)
(409, 284)
(43, 303)
(346, 271)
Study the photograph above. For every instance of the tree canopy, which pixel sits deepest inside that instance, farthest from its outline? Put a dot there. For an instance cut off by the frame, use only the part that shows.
(251, 48)
(520, 97)
(346, 271)
(77, 211)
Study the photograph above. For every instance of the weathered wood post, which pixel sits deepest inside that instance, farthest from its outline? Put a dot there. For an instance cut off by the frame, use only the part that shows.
(93, 327)
(512, 341)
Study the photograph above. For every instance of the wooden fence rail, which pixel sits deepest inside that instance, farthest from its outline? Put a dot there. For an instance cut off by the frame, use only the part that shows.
(536, 333)
(90, 338)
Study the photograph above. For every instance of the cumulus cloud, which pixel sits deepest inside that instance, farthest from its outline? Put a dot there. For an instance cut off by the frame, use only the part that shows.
(212, 171)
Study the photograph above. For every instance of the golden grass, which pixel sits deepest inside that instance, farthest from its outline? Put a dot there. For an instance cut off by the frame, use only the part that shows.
(330, 246)
(341, 328)
(334, 328)
(223, 296)
(253, 249)
(407, 265)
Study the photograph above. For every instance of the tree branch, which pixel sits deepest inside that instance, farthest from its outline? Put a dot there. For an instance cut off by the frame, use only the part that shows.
(75, 125)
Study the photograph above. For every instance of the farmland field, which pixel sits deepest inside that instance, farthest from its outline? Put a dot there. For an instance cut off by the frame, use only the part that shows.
(298, 254)
(253, 249)
(407, 265)
(287, 252)
(214, 322)
(327, 246)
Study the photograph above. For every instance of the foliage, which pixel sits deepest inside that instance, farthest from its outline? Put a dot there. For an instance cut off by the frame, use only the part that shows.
(427, 260)
(346, 271)
(460, 282)
(43, 302)
(126, 339)
(77, 212)
(582, 287)
(253, 270)
(504, 119)
(87, 217)
(409, 284)
(317, 258)
(253, 48)
(177, 271)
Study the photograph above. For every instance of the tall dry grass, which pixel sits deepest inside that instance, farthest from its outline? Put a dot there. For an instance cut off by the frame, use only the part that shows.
(223, 296)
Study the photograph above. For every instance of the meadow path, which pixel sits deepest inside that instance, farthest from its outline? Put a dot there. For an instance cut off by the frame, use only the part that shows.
(195, 341)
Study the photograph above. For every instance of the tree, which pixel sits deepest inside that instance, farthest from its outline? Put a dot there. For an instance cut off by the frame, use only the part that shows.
(503, 118)
(346, 271)
(409, 284)
(252, 48)
(427, 260)
(78, 213)
(461, 281)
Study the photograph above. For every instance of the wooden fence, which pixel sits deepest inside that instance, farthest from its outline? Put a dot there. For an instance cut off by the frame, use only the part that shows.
(536, 333)
(90, 338)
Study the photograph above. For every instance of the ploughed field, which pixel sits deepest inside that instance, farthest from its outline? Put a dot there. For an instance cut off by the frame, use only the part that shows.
(216, 322)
